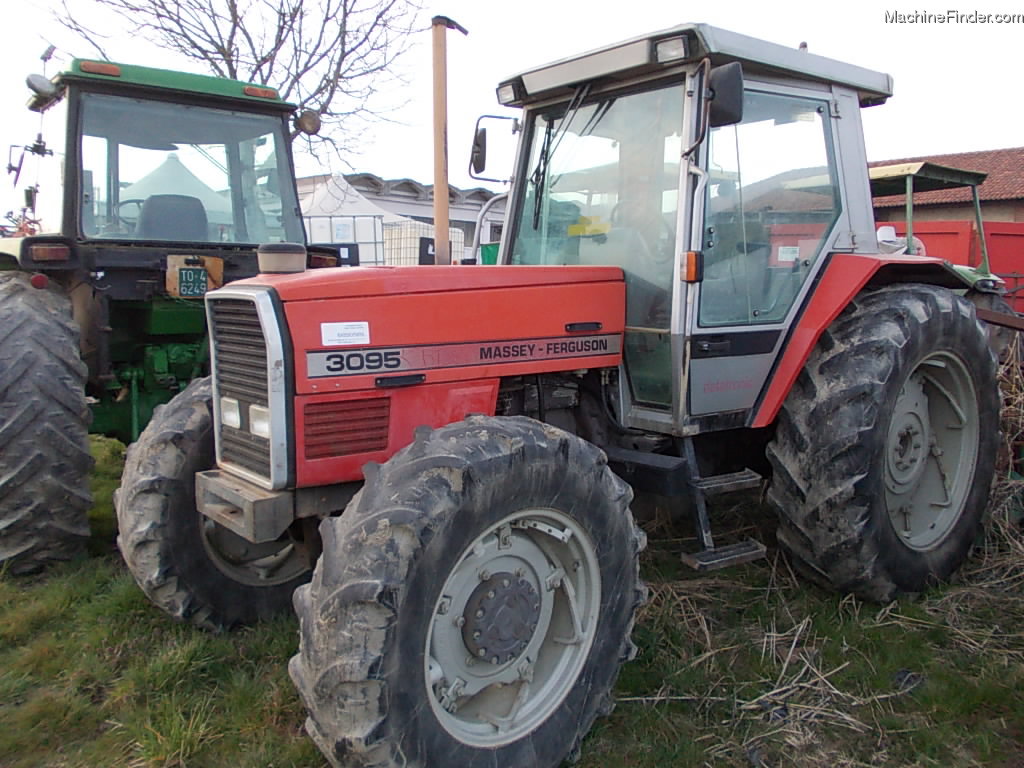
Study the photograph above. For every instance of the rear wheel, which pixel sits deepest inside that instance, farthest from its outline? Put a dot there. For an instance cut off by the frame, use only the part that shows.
(473, 604)
(188, 565)
(885, 448)
(44, 419)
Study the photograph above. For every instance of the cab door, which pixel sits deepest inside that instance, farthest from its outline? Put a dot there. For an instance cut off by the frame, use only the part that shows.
(772, 209)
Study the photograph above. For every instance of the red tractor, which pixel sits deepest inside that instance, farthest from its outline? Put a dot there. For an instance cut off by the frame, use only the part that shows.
(690, 301)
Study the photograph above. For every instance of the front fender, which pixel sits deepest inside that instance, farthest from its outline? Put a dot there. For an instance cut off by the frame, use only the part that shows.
(845, 275)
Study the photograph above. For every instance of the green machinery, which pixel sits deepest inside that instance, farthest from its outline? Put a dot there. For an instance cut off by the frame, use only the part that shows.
(170, 181)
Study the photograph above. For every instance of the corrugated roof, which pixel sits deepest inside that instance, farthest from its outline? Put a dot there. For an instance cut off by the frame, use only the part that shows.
(1005, 169)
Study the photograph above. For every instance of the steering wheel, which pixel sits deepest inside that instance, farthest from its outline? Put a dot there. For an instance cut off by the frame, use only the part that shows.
(125, 222)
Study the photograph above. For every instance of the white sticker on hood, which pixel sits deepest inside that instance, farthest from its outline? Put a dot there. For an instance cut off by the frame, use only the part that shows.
(344, 334)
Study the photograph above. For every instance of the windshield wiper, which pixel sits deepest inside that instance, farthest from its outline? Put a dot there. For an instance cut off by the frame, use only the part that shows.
(540, 173)
(548, 147)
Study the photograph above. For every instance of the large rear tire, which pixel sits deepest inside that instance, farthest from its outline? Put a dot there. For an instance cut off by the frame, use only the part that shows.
(44, 422)
(192, 568)
(473, 604)
(885, 448)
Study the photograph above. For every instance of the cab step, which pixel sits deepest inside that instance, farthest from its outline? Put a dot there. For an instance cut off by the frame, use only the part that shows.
(715, 485)
(723, 557)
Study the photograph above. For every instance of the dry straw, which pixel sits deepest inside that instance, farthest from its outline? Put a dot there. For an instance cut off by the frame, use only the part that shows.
(796, 708)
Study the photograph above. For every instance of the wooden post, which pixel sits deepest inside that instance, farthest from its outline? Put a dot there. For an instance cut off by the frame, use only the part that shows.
(442, 247)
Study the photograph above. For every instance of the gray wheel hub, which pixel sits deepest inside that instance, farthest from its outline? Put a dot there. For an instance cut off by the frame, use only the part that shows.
(256, 565)
(501, 616)
(512, 627)
(931, 451)
(909, 437)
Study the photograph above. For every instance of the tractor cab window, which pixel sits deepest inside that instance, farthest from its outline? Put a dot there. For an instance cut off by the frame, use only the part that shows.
(602, 190)
(772, 199)
(157, 171)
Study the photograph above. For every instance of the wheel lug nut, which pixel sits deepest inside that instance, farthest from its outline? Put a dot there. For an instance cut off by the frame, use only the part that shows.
(494, 660)
(460, 622)
(520, 572)
(476, 634)
(505, 583)
(482, 652)
(480, 613)
(485, 575)
(490, 595)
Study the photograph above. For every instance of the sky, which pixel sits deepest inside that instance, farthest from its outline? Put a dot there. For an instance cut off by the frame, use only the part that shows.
(957, 83)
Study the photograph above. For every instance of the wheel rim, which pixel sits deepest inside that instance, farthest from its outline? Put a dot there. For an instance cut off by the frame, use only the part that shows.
(257, 565)
(931, 451)
(512, 627)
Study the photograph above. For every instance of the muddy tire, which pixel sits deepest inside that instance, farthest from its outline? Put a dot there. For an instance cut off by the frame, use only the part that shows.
(885, 448)
(473, 604)
(44, 423)
(188, 566)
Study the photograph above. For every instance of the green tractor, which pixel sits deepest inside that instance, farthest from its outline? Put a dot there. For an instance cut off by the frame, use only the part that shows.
(170, 180)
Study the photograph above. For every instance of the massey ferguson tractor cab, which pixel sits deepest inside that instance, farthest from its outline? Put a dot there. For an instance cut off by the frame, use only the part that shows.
(690, 301)
(170, 180)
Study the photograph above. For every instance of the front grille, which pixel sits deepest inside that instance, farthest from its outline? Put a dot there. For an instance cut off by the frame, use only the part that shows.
(240, 368)
(346, 427)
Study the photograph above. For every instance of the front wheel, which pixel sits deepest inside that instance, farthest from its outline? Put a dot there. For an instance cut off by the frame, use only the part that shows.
(885, 447)
(473, 604)
(189, 566)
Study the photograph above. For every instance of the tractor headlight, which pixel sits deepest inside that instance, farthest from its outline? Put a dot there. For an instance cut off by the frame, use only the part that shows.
(230, 415)
(259, 421)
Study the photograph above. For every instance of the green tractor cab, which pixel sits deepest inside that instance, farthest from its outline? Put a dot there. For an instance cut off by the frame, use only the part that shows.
(170, 182)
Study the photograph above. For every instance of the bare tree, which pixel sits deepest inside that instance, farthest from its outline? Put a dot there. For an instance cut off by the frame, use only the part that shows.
(332, 56)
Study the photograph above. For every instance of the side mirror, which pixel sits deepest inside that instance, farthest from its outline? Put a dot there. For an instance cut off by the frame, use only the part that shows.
(726, 95)
(478, 155)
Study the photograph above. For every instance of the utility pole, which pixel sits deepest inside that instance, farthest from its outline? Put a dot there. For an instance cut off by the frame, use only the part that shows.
(442, 247)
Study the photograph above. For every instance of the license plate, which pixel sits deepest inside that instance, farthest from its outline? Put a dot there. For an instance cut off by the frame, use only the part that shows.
(192, 281)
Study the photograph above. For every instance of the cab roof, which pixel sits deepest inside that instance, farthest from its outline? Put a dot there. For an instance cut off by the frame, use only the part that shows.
(641, 54)
(108, 72)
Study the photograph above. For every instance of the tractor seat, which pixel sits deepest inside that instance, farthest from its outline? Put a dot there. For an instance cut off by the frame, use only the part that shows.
(172, 217)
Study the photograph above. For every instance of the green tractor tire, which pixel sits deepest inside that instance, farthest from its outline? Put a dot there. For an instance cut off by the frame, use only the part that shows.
(44, 421)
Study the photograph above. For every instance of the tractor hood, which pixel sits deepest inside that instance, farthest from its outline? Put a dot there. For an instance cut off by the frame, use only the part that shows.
(352, 282)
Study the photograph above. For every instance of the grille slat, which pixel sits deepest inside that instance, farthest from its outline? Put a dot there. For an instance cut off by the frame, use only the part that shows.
(245, 450)
(347, 427)
(240, 353)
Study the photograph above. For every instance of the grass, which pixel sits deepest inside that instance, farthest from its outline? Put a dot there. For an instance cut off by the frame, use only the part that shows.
(92, 675)
(746, 667)
(755, 668)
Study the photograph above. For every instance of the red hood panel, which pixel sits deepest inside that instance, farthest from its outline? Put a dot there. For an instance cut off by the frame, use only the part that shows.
(347, 282)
